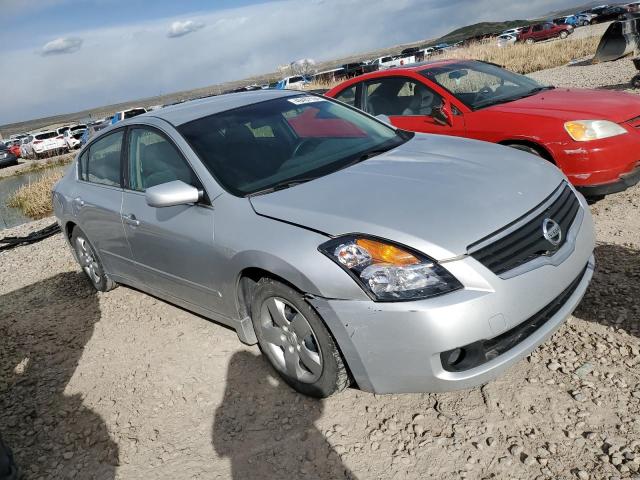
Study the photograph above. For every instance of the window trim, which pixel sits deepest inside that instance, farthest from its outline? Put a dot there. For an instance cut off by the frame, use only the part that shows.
(87, 150)
(206, 198)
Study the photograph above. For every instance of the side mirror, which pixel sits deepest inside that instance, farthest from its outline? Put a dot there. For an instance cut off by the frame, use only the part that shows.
(442, 115)
(171, 194)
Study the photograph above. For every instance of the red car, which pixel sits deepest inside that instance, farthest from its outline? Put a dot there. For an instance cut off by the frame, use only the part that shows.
(15, 148)
(544, 31)
(592, 135)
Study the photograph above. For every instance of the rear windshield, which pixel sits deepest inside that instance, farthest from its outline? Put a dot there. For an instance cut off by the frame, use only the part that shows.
(293, 139)
(45, 135)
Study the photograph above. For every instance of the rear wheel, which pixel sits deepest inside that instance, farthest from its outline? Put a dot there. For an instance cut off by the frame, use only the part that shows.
(90, 262)
(295, 340)
(635, 81)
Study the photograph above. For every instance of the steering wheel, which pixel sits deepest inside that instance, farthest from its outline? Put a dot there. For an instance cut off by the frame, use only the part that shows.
(483, 92)
(304, 144)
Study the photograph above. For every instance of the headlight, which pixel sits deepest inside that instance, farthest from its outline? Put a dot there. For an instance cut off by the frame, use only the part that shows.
(389, 272)
(587, 130)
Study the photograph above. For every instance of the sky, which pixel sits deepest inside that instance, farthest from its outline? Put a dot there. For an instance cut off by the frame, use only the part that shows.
(63, 56)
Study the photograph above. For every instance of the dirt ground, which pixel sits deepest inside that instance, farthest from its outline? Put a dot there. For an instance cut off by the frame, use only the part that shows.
(125, 386)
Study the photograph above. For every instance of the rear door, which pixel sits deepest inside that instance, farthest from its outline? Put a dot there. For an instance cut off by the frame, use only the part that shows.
(172, 247)
(97, 200)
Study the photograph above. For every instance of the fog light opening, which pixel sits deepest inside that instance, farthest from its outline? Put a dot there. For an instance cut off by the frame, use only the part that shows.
(456, 356)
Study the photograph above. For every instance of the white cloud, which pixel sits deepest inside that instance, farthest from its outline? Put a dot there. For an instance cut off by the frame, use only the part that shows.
(138, 60)
(179, 29)
(60, 46)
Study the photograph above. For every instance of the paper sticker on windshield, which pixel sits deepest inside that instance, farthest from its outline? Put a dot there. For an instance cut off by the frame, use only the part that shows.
(303, 100)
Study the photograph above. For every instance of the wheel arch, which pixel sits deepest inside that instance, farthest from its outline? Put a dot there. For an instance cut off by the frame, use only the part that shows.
(543, 151)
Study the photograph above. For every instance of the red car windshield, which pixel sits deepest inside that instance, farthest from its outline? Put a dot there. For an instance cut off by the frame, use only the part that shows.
(479, 84)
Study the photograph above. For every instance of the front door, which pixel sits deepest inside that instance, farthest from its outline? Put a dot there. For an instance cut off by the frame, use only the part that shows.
(410, 105)
(172, 247)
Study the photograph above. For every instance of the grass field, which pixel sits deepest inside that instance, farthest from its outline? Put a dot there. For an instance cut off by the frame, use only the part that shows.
(34, 198)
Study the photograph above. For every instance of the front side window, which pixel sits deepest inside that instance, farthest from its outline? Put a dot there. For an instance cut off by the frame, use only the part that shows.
(309, 137)
(101, 164)
(479, 84)
(398, 96)
(153, 160)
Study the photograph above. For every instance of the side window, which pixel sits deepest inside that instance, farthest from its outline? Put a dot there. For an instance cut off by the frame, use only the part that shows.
(102, 164)
(153, 160)
(400, 97)
(537, 28)
(348, 96)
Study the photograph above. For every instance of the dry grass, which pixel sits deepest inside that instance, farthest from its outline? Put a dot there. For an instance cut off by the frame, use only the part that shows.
(523, 58)
(34, 198)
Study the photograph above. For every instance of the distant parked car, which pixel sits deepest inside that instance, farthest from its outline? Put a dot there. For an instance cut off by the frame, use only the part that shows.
(568, 20)
(46, 143)
(513, 31)
(130, 113)
(6, 157)
(73, 135)
(294, 82)
(586, 18)
(14, 147)
(592, 135)
(611, 13)
(506, 40)
(91, 130)
(26, 148)
(544, 31)
(388, 61)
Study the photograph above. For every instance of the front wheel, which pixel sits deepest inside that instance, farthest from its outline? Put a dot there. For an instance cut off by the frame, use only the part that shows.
(563, 35)
(529, 41)
(635, 81)
(90, 263)
(295, 340)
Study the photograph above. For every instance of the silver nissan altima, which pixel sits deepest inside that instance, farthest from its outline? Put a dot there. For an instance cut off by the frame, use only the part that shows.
(349, 251)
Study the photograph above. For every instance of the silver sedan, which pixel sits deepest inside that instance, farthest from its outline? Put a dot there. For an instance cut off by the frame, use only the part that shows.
(349, 251)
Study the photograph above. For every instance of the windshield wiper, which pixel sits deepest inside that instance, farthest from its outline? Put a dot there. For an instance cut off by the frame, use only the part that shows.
(280, 186)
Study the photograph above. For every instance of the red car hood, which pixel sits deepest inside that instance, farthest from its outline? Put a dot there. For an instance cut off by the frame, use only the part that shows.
(577, 104)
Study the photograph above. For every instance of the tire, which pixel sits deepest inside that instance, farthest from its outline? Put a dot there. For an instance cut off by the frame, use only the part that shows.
(524, 148)
(90, 263)
(635, 81)
(563, 35)
(285, 324)
(529, 41)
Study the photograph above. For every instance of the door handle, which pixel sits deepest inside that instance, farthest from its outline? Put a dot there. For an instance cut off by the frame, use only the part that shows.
(78, 201)
(131, 220)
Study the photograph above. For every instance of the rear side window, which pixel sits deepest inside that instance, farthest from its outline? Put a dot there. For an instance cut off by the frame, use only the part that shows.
(101, 164)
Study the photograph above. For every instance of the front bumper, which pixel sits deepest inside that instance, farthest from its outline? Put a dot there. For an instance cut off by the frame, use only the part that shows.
(397, 347)
(623, 182)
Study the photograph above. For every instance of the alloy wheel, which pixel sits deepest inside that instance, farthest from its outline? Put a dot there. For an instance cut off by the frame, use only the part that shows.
(290, 341)
(87, 259)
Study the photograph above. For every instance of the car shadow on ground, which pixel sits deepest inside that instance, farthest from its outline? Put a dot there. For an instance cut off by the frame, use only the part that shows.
(613, 298)
(617, 86)
(44, 328)
(267, 430)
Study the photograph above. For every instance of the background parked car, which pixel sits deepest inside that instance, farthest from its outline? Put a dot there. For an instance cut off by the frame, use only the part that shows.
(130, 113)
(6, 157)
(73, 135)
(485, 102)
(26, 147)
(91, 130)
(14, 147)
(612, 13)
(46, 143)
(586, 18)
(513, 31)
(295, 82)
(544, 31)
(506, 40)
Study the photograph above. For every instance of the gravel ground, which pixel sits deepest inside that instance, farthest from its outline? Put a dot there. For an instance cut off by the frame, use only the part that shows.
(122, 385)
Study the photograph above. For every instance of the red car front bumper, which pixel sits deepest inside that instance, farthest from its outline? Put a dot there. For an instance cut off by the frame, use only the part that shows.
(603, 166)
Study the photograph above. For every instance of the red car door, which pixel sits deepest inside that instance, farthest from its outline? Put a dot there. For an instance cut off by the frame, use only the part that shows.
(411, 105)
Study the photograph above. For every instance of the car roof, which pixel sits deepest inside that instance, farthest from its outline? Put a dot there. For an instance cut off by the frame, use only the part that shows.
(194, 109)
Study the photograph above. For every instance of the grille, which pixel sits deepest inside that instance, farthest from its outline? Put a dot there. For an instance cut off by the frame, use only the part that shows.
(480, 352)
(528, 242)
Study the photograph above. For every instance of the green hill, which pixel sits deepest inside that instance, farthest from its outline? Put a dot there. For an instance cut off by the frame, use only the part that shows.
(478, 29)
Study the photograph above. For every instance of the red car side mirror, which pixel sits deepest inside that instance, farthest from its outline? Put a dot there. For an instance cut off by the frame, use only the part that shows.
(442, 114)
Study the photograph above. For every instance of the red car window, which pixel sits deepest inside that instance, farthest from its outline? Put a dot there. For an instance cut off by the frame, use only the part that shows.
(309, 125)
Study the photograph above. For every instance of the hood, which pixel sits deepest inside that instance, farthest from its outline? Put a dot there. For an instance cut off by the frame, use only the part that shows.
(578, 104)
(436, 194)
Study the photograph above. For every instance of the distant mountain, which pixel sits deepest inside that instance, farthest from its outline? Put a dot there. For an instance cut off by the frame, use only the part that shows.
(479, 29)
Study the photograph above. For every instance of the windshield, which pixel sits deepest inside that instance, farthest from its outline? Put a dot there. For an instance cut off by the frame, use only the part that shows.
(45, 135)
(286, 140)
(479, 85)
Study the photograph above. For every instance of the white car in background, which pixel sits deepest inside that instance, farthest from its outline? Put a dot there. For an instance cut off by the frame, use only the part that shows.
(26, 149)
(73, 135)
(505, 40)
(45, 143)
(60, 136)
(512, 31)
(388, 62)
(295, 82)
